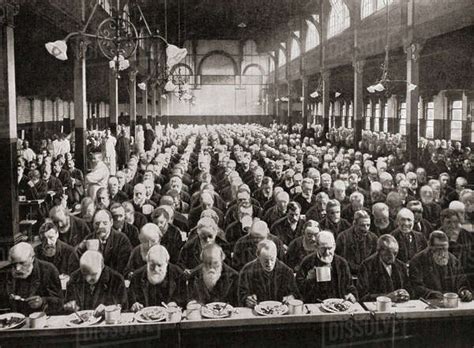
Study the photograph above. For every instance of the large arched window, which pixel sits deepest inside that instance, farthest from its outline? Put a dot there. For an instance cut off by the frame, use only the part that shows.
(339, 18)
(312, 36)
(295, 49)
(281, 57)
(370, 6)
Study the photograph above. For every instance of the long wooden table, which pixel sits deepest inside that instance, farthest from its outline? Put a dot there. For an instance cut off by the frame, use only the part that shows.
(409, 324)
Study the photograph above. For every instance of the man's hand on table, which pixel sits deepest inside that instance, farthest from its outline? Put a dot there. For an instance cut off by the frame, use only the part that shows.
(400, 295)
(350, 297)
(71, 306)
(136, 307)
(465, 295)
(251, 301)
(288, 298)
(436, 295)
(311, 274)
(99, 311)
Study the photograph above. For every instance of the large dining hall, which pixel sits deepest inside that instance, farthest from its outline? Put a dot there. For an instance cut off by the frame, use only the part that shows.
(236, 173)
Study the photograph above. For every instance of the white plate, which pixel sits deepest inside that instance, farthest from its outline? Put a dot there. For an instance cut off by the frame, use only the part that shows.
(159, 314)
(216, 310)
(20, 318)
(271, 308)
(72, 319)
(327, 305)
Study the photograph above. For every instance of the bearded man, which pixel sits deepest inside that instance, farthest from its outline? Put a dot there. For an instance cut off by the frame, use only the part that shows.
(55, 251)
(435, 271)
(156, 282)
(72, 230)
(214, 281)
(302, 246)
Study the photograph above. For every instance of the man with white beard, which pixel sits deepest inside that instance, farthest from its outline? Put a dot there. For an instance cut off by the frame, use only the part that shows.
(156, 282)
(214, 281)
(323, 274)
(435, 271)
(302, 246)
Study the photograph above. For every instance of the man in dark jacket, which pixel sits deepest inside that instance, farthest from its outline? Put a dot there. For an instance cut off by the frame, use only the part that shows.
(288, 227)
(55, 251)
(34, 280)
(435, 271)
(324, 275)
(159, 281)
(120, 225)
(333, 221)
(214, 281)
(171, 237)
(72, 230)
(409, 241)
(266, 278)
(382, 274)
(94, 286)
(357, 243)
(302, 246)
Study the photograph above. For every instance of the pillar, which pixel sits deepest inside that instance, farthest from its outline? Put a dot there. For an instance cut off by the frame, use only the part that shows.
(133, 101)
(80, 106)
(113, 103)
(145, 104)
(304, 103)
(412, 98)
(358, 107)
(325, 74)
(9, 214)
(154, 109)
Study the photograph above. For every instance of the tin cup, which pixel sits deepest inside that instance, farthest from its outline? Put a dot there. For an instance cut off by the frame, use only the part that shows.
(92, 244)
(384, 304)
(174, 314)
(193, 311)
(450, 300)
(64, 279)
(37, 320)
(295, 307)
(112, 314)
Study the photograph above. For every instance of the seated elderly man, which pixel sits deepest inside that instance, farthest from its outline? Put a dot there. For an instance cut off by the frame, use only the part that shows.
(114, 246)
(381, 222)
(409, 241)
(190, 254)
(120, 225)
(383, 274)
(72, 230)
(171, 236)
(461, 242)
(239, 228)
(156, 282)
(245, 250)
(318, 211)
(421, 224)
(306, 198)
(214, 281)
(94, 286)
(333, 221)
(323, 275)
(55, 251)
(266, 278)
(302, 246)
(435, 271)
(431, 209)
(140, 202)
(357, 203)
(207, 202)
(278, 211)
(290, 226)
(149, 236)
(357, 243)
(32, 285)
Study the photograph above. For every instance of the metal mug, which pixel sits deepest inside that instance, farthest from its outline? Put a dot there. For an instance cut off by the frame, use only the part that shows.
(174, 314)
(112, 314)
(193, 311)
(384, 304)
(37, 320)
(92, 244)
(295, 307)
(450, 300)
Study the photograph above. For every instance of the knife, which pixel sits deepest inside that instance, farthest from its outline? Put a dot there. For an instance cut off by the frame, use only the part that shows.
(430, 305)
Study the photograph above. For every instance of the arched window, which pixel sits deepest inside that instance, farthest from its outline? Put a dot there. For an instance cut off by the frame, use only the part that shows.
(281, 57)
(312, 36)
(339, 18)
(370, 6)
(295, 49)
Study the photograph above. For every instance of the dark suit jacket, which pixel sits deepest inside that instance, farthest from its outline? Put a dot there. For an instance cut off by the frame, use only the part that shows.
(373, 279)
(353, 251)
(403, 251)
(65, 259)
(77, 232)
(281, 228)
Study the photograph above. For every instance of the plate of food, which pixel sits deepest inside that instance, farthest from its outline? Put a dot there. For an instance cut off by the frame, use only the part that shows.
(336, 305)
(216, 310)
(11, 320)
(87, 317)
(151, 314)
(271, 308)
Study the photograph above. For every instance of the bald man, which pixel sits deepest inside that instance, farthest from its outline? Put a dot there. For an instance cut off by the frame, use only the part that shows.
(382, 274)
(409, 241)
(338, 280)
(266, 278)
(94, 285)
(206, 202)
(245, 250)
(34, 280)
(214, 281)
(156, 282)
(150, 235)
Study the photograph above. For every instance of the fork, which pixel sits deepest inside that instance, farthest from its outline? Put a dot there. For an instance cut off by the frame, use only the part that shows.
(17, 298)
